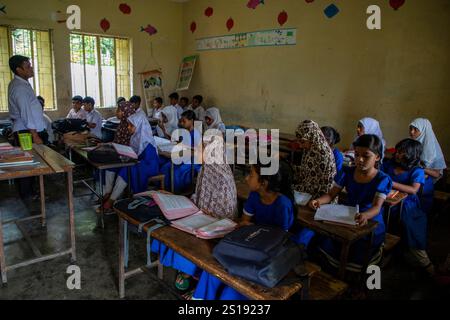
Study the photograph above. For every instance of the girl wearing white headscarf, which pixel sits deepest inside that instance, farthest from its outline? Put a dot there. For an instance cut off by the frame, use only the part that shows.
(214, 120)
(370, 126)
(144, 145)
(168, 123)
(432, 158)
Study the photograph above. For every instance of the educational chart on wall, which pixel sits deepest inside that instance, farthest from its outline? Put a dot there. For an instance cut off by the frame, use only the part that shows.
(186, 73)
(265, 38)
(152, 84)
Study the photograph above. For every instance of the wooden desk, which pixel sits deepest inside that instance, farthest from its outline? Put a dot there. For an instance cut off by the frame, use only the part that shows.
(347, 235)
(50, 162)
(199, 251)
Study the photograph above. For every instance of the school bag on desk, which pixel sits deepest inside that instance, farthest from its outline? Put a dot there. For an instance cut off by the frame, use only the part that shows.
(70, 125)
(261, 254)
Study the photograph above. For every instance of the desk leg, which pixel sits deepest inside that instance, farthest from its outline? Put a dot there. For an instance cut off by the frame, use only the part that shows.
(71, 215)
(42, 192)
(388, 219)
(344, 257)
(2, 253)
(121, 259)
(102, 221)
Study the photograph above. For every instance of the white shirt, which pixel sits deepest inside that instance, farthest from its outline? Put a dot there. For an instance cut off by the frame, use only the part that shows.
(140, 110)
(48, 127)
(25, 110)
(95, 117)
(81, 114)
(179, 110)
(200, 113)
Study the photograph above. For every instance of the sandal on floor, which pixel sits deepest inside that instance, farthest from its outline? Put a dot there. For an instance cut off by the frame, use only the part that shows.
(182, 282)
(188, 295)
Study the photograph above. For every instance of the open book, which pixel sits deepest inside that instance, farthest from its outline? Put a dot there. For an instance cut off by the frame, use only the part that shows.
(185, 216)
(301, 199)
(125, 151)
(337, 213)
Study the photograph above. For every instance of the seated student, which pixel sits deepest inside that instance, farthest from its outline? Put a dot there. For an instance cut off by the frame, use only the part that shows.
(198, 109)
(120, 100)
(157, 108)
(123, 112)
(93, 117)
(184, 104)
(213, 120)
(48, 122)
(270, 203)
(317, 169)
(408, 176)
(432, 158)
(77, 112)
(368, 188)
(216, 195)
(333, 138)
(136, 103)
(143, 143)
(168, 122)
(174, 97)
(183, 172)
(370, 126)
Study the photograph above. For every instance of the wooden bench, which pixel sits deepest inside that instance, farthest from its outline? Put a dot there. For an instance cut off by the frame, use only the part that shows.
(325, 287)
(441, 196)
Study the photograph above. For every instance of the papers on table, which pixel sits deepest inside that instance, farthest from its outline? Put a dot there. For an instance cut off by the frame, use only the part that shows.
(337, 213)
(301, 199)
(125, 151)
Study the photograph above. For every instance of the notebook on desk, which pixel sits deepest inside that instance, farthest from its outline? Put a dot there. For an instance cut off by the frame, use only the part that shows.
(337, 213)
(15, 155)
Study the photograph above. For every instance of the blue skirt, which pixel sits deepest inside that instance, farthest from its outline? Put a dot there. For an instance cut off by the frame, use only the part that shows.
(182, 175)
(211, 288)
(426, 198)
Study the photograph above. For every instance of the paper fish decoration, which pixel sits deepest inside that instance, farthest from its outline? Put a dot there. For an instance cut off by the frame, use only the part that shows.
(151, 30)
(105, 25)
(125, 8)
(396, 4)
(252, 4)
(3, 8)
(331, 11)
(193, 26)
(209, 12)
(230, 24)
(309, 1)
(282, 18)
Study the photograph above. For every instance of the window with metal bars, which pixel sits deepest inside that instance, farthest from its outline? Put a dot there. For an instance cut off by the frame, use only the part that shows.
(100, 67)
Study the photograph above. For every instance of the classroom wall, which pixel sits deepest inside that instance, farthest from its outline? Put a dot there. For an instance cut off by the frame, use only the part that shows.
(165, 15)
(338, 72)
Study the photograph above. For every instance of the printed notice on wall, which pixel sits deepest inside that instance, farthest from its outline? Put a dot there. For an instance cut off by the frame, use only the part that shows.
(186, 73)
(266, 38)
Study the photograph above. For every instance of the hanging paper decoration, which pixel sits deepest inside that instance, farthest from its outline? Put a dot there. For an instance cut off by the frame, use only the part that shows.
(309, 1)
(230, 24)
(193, 26)
(331, 10)
(3, 8)
(282, 18)
(396, 4)
(125, 8)
(105, 25)
(151, 30)
(209, 12)
(252, 4)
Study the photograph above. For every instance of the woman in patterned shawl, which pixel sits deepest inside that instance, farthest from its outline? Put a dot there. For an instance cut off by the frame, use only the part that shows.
(215, 192)
(316, 172)
(124, 111)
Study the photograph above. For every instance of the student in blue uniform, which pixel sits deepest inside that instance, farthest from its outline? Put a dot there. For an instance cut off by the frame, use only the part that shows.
(367, 187)
(143, 143)
(269, 203)
(183, 172)
(408, 176)
(432, 158)
(333, 138)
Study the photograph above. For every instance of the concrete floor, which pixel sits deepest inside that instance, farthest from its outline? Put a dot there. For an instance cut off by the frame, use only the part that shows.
(98, 255)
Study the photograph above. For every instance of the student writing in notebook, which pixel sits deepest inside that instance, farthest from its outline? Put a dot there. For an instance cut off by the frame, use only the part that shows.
(367, 187)
(216, 195)
(408, 176)
(144, 145)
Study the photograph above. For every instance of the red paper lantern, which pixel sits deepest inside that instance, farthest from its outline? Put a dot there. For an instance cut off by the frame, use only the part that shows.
(282, 18)
(396, 4)
(105, 25)
(209, 12)
(230, 24)
(125, 8)
(193, 27)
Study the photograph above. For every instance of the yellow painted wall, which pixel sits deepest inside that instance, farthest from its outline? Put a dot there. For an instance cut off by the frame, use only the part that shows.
(165, 15)
(338, 72)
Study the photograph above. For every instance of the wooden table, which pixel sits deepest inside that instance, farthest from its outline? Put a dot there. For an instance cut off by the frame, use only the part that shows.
(50, 162)
(347, 235)
(102, 167)
(198, 251)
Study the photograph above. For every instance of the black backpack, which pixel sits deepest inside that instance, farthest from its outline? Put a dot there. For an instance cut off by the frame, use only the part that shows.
(261, 254)
(70, 125)
(105, 153)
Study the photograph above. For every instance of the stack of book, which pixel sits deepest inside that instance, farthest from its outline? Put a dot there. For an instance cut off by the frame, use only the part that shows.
(12, 157)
